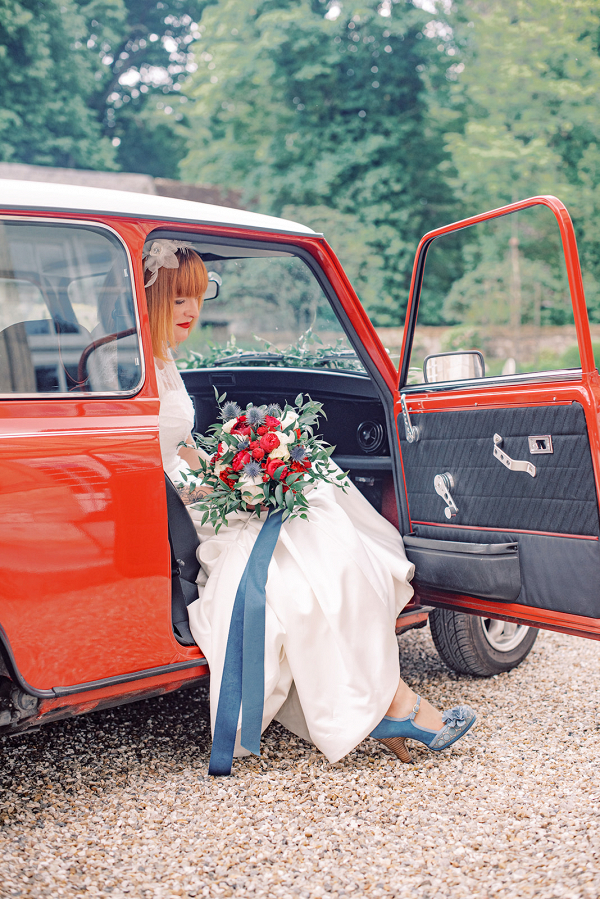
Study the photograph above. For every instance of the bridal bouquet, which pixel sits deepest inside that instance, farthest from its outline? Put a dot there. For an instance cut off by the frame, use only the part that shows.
(263, 457)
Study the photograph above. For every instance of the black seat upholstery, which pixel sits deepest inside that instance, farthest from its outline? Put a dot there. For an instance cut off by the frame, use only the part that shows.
(184, 564)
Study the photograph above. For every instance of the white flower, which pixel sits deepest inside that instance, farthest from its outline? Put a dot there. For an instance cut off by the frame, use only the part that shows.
(219, 467)
(280, 452)
(289, 418)
(252, 488)
(161, 254)
(228, 425)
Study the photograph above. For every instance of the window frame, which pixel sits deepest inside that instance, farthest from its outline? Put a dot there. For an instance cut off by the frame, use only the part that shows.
(285, 248)
(575, 283)
(92, 395)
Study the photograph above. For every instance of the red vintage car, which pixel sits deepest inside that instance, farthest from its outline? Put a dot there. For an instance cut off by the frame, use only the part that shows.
(482, 449)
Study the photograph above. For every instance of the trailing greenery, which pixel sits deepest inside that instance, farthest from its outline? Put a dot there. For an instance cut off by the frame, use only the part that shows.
(307, 352)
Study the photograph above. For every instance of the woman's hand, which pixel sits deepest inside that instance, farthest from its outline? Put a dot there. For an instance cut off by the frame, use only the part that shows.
(192, 454)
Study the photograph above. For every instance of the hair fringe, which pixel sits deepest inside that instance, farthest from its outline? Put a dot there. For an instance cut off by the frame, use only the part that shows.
(189, 280)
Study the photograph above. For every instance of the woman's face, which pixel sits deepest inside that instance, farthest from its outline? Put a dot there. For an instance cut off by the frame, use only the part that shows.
(185, 315)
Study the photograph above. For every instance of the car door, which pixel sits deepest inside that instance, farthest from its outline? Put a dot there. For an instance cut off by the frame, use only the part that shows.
(496, 413)
(84, 563)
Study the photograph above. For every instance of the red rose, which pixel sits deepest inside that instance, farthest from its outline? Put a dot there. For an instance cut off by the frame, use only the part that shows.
(298, 433)
(224, 476)
(284, 473)
(240, 459)
(266, 478)
(262, 430)
(306, 463)
(297, 466)
(258, 453)
(272, 466)
(271, 421)
(269, 442)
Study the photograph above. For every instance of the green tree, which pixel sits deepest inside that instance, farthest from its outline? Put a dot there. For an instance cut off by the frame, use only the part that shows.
(525, 101)
(47, 78)
(141, 52)
(303, 110)
(96, 83)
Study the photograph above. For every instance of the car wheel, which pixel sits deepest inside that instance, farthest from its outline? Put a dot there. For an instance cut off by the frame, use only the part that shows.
(481, 647)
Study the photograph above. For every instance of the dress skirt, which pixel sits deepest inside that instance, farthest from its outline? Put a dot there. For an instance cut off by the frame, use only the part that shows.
(336, 584)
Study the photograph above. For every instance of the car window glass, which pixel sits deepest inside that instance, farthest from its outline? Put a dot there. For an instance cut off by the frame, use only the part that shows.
(20, 300)
(67, 322)
(271, 310)
(498, 289)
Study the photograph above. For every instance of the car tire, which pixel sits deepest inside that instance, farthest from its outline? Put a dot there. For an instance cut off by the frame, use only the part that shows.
(477, 646)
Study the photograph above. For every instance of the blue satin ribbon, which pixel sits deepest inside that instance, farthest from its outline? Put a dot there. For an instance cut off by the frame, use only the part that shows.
(243, 680)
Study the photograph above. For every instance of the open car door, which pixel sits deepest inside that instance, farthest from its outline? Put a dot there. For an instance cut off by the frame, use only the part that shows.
(497, 421)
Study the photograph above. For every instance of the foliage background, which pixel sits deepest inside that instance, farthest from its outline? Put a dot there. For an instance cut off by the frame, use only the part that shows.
(372, 120)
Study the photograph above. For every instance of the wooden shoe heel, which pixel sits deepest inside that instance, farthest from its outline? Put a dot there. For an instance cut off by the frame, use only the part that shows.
(398, 747)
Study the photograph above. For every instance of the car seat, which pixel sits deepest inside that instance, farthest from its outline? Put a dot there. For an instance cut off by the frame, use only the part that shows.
(184, 563)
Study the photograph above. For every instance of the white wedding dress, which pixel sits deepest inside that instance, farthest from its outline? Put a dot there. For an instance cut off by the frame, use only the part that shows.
(336, 584)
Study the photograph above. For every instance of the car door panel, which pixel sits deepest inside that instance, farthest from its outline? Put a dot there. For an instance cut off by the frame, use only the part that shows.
(496, 505)
(83, 553)
(517, 547)
(561, 498)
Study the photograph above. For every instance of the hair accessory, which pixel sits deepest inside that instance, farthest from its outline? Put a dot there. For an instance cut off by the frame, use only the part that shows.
(161, 254)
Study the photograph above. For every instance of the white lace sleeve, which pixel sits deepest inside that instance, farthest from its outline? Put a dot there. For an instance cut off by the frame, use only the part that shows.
(175, 419)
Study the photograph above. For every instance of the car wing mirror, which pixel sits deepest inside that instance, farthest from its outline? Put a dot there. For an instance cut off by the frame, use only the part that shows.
(214, 286)
(453, 367)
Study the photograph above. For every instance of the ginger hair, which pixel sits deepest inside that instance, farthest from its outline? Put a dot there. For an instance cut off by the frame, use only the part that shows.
(189, 280)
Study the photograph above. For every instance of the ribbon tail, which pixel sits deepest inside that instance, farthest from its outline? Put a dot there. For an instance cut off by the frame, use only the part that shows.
(230, 694)
(243, 678)
(253, 655)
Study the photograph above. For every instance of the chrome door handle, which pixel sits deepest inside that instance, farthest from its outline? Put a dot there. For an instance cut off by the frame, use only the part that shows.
(443, 484)
(511, 464)
(412, 432)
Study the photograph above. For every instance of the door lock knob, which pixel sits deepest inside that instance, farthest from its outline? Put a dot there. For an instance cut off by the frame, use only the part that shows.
(443, 484)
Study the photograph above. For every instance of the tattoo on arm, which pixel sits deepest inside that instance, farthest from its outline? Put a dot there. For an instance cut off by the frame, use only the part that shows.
(191, 495)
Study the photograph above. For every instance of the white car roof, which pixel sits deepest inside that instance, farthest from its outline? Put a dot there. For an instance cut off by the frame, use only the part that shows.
(43, 196)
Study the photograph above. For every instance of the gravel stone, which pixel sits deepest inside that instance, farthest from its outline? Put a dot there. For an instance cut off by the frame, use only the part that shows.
(118, 803)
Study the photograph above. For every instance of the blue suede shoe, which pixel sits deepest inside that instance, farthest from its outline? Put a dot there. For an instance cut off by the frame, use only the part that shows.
(392, 732)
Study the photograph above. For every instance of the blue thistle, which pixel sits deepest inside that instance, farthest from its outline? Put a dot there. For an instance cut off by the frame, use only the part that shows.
(274, 409)
(243, 444)
(230, 410)
(252, 469)
(297, 453)
(254, 416)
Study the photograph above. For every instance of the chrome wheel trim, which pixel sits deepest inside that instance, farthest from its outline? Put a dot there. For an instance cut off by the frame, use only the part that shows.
(503, 636)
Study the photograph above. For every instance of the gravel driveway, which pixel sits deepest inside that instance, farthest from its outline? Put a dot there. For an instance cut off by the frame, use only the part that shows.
(118, 803)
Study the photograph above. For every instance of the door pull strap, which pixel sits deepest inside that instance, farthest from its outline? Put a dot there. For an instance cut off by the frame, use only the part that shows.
(511, 464)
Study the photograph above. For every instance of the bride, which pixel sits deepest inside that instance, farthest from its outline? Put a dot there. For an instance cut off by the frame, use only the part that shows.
(336, 583)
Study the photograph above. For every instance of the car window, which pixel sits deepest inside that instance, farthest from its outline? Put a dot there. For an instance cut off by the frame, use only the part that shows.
(271, 310)
(67, 322)
(495, 301)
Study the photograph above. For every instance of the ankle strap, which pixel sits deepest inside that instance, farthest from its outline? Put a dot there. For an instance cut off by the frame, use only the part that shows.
(413, 714)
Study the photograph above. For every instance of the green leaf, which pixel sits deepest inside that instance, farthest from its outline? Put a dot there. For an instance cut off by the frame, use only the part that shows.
(299, 398)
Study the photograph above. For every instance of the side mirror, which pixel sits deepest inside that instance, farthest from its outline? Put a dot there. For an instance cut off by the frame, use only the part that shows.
(453, 367)
(214, 285)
